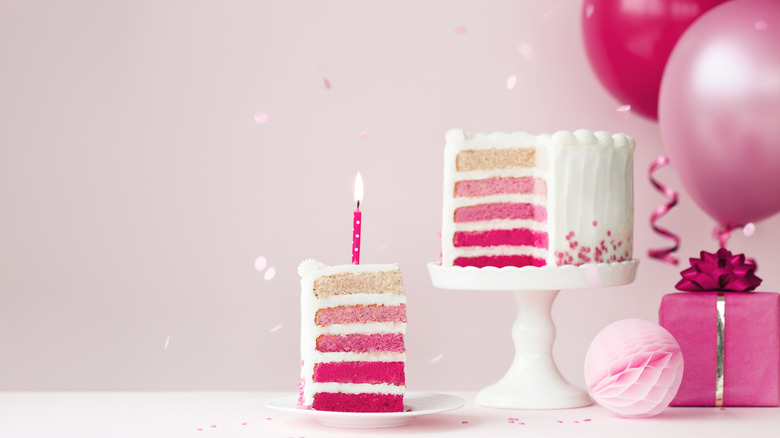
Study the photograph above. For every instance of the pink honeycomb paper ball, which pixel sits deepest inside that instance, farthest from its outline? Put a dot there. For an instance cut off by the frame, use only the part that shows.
(634, 368)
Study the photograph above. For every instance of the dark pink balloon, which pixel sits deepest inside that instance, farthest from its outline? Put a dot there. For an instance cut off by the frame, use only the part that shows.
(629, 41)
(719, 111)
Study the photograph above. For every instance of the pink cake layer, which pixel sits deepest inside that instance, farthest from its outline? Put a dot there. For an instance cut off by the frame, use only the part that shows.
(500, 261)
(514, 237)
(341, 402)
(360, 372)
(360, 314)
(503, 210)
(493, 186)
(360, 343)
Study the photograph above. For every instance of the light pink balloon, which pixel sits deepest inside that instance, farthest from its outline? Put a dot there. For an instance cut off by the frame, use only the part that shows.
(719, 111)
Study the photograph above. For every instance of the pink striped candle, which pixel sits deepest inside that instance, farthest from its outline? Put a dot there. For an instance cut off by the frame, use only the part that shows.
(357, 218)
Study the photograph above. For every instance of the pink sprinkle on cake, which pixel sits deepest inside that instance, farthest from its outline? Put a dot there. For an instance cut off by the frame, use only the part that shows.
(536, 200)
(353, 320)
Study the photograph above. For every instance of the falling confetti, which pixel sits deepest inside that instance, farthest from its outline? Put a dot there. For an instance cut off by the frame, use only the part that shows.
(589, 8)
(464, 422)
(213, 426)
(167, 340)
(270, 273)
(326, 82)
(363, 134)
(624, 110)
(527, 51)
(510, 82)
(261, 263)
(749, 229)
(460, 30)
(592, 274)
(761, 25)
(437, 358)
(276, 328)
(261, 118)
(243, 424)
(199, 429)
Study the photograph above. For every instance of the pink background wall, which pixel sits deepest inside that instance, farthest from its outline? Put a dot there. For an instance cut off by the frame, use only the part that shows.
(137, 190)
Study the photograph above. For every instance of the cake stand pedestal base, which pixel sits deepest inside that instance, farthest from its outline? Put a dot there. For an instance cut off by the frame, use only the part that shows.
(533, 381)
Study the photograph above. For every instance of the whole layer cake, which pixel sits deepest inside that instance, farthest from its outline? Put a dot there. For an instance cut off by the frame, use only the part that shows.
(353, 321)
(537, 200)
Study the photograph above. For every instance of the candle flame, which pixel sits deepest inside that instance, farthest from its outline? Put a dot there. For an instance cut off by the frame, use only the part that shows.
(358, 188)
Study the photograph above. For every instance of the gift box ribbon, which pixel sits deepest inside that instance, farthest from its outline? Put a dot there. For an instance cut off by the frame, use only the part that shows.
(721, 272)
(719, 371)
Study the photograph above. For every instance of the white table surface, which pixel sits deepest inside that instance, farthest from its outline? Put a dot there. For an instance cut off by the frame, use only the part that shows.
(240, 414)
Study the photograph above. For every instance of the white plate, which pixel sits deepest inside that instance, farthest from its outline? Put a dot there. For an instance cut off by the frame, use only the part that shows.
(415, 405)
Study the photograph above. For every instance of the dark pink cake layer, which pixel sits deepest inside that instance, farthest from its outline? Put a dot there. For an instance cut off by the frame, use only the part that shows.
(494, 186)
(360, 343)
(360, 372)
(503, 210)
(500, 261)
(341, 402)
(513, 237)
(360, 314)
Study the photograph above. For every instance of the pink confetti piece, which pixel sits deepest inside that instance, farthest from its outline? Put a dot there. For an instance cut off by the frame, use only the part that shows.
(624, 110)
(527, 51)
(559, 421)
(592, 274)
(270, 273)
(363, 134)
(261, 118)
(464, 422)
(510, 82)
(260, 263)
(437, 358)
(167, 340)
(326, 82)
(663, 254)
(243, 424)
(761, 25)
(213, 426)
(587, 419)
(749, 229)
(595, 223)
(276, 328)
(460, 30)
(589, 9)
(199, 429)
(269, 418)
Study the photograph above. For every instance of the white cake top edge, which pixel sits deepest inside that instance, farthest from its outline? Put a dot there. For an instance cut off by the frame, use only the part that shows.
(313, 269)
(580, 137)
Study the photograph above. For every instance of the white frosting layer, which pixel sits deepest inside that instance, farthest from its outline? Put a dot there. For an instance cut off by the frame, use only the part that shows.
(310, 271)
(357, 388)
(589, 193)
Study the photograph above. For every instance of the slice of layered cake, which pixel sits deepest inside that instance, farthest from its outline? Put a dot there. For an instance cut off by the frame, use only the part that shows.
(353, 321)
(537, 200)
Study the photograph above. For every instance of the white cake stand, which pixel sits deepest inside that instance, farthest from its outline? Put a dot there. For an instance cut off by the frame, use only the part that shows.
(533, 381)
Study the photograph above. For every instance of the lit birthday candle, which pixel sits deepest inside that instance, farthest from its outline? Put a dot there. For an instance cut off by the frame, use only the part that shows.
(357, 217)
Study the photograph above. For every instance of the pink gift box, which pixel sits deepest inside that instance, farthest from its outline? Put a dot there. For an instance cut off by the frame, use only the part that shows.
(751, 361)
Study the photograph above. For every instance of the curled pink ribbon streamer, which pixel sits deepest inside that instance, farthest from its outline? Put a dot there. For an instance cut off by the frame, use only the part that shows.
(723, 234)
(663, 254)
